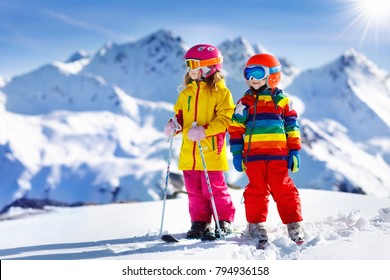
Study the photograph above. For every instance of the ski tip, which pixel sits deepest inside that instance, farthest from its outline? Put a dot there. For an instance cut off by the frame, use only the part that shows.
(169, 238)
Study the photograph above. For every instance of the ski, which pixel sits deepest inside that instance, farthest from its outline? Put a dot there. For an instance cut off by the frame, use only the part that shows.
(206, 237)
(171, 239)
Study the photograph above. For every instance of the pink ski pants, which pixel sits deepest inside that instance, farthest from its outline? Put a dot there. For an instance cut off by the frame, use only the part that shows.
(200, 207)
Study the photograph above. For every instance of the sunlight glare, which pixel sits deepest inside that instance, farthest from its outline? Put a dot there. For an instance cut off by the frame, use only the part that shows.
(370, 19)
(374, 9)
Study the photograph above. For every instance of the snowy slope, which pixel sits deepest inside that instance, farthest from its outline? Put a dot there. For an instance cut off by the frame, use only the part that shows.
(338, 226)
(331, 158)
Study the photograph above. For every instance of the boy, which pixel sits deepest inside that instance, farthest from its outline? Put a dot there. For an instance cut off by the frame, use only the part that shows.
(264, 141)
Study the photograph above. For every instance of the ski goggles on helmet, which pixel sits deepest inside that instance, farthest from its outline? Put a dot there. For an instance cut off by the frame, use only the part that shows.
(259, 72)
(195, 64)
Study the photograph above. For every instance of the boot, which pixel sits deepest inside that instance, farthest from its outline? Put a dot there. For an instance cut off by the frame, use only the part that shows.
(226, 228)
(295, 232)
(257, 230)
(198, 229)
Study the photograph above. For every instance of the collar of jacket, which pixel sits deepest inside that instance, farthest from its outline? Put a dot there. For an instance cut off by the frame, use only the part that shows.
(202, 84)
(253, 92)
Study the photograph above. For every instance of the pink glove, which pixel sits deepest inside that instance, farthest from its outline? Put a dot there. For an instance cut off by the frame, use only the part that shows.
(196, 133)
(169, 129)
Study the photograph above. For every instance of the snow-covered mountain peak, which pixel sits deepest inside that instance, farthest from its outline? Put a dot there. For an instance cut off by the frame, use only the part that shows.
(80, 54)
(161, 37)
(288, 68)
(54, 87)
(145, 68)
(235, 54)
(352, 60)
(237, 45)
(259, 48)
(352, 90)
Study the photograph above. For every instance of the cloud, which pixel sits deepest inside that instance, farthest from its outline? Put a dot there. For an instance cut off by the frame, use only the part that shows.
(86, 26)
(10, 35)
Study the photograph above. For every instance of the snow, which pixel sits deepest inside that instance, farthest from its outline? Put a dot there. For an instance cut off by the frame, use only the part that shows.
(90, 130)
(338, 226)
(2, 81)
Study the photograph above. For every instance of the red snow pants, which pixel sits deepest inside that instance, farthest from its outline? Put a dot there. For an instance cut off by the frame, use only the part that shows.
(200, 207)
(271, 177)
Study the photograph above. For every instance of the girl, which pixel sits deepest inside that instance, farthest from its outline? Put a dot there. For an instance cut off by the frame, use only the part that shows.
(206, 101)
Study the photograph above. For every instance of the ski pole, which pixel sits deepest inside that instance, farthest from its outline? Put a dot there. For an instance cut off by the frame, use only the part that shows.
(166, 183)
(194, 124)
(177, 128)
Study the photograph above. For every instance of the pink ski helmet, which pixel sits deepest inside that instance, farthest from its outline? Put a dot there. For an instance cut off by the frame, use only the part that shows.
(205, 57)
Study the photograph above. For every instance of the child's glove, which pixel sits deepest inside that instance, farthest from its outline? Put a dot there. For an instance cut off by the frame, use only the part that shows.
(172, 128)
(294, 161)
(238, 163)
(169, 129)
(196, 133)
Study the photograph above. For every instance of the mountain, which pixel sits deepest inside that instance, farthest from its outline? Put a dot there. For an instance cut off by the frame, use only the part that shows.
(2, 81)
(345, 125)
(150, 68)
(350, 90)
(236, 52)
(78, 56)
(343, 108)
(91, 129)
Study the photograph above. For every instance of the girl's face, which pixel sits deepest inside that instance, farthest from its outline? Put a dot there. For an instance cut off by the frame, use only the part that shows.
(256, 84)
(195, 74)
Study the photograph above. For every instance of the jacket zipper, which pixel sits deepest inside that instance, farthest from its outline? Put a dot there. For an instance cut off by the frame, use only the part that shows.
(195, 120)
(252, 127)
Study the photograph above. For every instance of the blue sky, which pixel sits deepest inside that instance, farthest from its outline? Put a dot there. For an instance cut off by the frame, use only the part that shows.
(310, 33)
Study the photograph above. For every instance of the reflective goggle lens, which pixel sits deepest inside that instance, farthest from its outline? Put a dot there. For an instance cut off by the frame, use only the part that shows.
(256, 72)
(192, 64)
(195, 64)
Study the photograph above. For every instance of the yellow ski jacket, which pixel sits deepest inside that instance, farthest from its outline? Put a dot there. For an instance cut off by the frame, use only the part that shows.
(212, 109)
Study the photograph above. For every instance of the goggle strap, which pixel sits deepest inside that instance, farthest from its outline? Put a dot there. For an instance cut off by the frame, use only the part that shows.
(196, 63)
(275, 69)
(211, 61)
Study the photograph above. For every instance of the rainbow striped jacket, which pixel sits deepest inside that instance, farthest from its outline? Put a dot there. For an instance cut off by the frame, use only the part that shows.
(264, 126)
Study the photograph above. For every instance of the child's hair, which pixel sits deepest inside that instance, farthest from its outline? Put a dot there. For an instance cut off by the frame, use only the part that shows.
(211, 81)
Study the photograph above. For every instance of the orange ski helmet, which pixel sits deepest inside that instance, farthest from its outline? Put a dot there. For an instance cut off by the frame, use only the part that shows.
(271, 66)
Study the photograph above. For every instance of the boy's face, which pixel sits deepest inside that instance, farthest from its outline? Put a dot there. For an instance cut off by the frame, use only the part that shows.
(256, 84)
